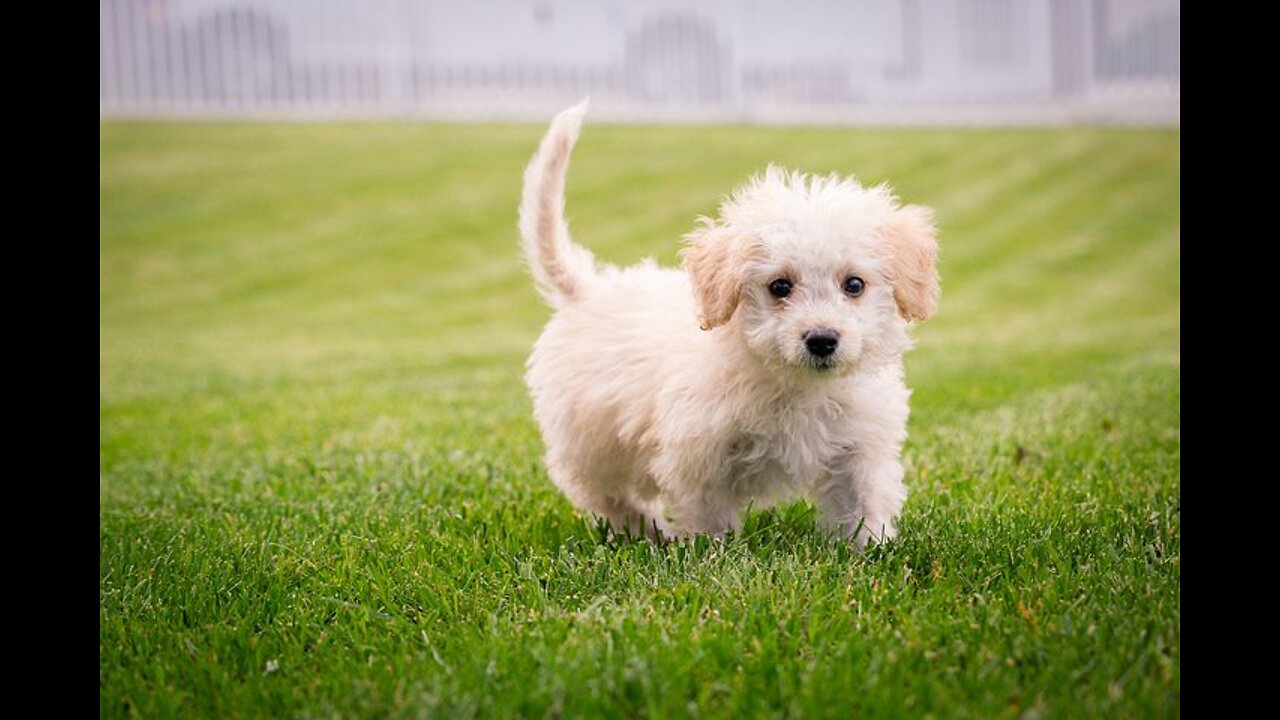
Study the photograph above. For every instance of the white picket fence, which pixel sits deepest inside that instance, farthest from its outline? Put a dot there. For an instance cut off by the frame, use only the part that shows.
(891, 61)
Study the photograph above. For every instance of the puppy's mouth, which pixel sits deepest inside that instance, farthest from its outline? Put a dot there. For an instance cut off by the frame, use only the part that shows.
(822, 364)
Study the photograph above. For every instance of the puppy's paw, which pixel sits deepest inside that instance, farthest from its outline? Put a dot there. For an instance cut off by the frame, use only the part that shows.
(865, 534)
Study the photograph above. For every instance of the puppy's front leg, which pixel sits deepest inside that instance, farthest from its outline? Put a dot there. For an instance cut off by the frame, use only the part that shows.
(712, 510)
(862, 497)
(698, 495)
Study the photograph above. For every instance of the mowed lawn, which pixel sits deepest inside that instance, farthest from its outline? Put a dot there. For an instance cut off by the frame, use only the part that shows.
(320, 484)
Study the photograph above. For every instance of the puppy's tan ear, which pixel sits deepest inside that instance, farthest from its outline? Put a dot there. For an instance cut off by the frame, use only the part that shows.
(913, 261)
(714, 259)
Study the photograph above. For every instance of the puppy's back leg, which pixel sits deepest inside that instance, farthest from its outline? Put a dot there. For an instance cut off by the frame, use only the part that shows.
(606, 497)
(629, 518)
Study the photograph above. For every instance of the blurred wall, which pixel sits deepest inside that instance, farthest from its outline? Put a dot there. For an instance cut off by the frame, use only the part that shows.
(892, 61)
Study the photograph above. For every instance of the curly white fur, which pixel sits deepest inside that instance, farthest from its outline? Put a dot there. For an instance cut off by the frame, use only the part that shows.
(669, 400)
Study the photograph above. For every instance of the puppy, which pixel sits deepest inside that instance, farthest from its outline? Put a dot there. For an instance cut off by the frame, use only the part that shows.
(770, 367)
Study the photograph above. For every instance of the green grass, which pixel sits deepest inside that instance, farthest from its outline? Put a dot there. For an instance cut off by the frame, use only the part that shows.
(320, 490)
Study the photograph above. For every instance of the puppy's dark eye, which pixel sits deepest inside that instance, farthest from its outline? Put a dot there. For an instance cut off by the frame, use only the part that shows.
(780, 288)
(854, 285)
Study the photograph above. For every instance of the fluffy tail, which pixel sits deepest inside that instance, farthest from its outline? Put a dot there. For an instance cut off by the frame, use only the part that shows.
(560, 268)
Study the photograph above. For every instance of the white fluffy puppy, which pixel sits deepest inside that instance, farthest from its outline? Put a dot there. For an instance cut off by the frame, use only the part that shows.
(770, 367)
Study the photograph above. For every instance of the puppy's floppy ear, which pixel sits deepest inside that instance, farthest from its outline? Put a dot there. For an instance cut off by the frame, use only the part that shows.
(714, 259)
(913, 261)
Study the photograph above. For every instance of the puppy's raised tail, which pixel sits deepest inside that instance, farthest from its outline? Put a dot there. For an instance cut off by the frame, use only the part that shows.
(560, 268)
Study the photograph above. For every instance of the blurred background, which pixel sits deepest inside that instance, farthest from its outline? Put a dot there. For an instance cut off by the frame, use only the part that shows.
(806, 61)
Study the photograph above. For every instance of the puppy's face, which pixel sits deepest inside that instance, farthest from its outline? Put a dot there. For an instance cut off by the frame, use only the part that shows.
(819, 275)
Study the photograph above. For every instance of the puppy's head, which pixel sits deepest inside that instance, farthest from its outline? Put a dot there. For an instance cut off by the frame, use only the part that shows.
(818, 274)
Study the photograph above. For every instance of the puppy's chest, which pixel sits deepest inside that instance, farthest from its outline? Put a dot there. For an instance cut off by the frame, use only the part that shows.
(797, 442)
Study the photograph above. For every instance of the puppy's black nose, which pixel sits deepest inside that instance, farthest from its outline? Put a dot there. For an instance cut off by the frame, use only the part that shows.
(821, 343)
